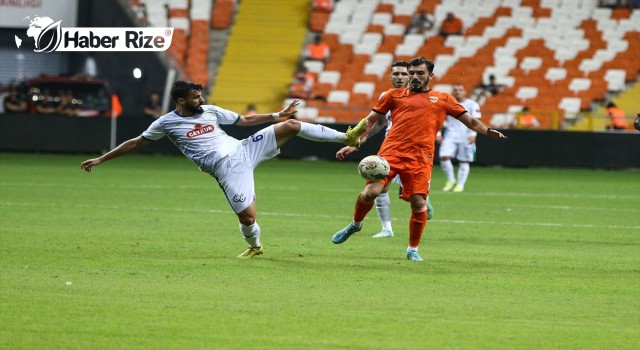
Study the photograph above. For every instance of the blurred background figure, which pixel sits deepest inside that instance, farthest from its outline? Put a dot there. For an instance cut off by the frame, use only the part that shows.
(153, 106)
(420, 23)
(299, 88)
(14, 102)
(317, 50)
(46, 103)
(617, 117)
(526, 120)
(67, 105)
(451, 25)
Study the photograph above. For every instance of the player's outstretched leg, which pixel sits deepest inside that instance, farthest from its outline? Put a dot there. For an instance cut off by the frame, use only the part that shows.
(353, 135)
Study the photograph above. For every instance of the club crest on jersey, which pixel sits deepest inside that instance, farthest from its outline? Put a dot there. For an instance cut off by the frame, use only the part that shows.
(433, 99)
(199, 130)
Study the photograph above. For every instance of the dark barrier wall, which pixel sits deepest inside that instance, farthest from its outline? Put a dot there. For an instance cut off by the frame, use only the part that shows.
(50, 133)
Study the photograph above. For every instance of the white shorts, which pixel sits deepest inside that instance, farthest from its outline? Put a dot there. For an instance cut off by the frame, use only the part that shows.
(235, 173)
(462, 151)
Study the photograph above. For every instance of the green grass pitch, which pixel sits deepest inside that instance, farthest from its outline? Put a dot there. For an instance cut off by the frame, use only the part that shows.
(140, 254)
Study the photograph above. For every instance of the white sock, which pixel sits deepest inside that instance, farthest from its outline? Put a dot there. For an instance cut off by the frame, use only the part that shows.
(251, 234)
(384, 210)
(463, 173)
(316, 132)
(447, 167)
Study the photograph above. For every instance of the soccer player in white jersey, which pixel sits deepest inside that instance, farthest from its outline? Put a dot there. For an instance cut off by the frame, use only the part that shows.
(399, 78)
(459, 142)
(195, 129)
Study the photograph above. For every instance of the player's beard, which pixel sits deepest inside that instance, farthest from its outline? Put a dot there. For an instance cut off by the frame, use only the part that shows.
(416, 88)
(195, 110)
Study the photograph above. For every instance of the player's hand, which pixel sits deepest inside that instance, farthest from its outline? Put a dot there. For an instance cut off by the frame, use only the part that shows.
(439, 138)
(472, 139)
(495, 134)
(89, 163)
(345, 151)
(290, 110)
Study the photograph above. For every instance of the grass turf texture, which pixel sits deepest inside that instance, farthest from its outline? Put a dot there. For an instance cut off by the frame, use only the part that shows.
(141, 254)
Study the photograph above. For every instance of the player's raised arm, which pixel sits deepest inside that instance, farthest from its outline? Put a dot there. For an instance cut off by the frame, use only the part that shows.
(255, 119)
(128, 146)
(477, 126)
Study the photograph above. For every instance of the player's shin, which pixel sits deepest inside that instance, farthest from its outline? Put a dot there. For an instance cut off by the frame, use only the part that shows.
(251, 234)
(384, 210)
(416, 226)
(361, 210)
(316, 132)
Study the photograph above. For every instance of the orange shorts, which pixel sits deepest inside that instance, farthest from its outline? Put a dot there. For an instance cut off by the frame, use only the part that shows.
(415, 176)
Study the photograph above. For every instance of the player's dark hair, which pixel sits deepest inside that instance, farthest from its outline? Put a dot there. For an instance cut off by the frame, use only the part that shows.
(400, 64)
(181, 88)
(414, 62)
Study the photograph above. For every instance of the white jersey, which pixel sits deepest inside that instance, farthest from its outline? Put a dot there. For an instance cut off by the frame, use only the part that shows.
(458, 131)
(199, 136)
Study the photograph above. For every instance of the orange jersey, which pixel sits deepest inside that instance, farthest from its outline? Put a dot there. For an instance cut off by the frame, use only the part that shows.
(417, 117)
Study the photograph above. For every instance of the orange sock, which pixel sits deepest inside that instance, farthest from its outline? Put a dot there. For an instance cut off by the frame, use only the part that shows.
(416, 226)
(362, 209)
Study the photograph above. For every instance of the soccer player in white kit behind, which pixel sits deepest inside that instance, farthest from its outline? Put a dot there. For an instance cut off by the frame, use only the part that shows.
(195, 129)
(459, 142)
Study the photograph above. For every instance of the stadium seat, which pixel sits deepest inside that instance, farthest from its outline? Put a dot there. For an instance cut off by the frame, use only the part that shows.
(366, 88)
(579, 84)
(331, 77)
(530, 63)
(527, 92)
(571, 106)
(338, 96)
(615, 79)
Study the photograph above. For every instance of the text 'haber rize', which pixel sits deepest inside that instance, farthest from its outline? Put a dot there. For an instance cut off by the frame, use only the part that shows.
(133, 40)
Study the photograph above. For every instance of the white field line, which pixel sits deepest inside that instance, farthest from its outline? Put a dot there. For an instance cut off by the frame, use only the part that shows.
(570, 207)
(313, 216)
(355, 190)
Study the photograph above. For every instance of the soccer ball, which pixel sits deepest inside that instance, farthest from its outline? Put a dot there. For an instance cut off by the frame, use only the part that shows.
(373, 168)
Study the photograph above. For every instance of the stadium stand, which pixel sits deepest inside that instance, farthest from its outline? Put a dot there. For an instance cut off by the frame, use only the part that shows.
(561, 58)
(557, 56)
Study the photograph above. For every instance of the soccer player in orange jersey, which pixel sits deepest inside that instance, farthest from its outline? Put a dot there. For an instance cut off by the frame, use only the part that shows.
(418, 114)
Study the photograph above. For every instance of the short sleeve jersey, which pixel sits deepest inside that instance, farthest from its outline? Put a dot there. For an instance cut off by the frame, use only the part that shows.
(457, 131)
(198, 136)
(417, 117)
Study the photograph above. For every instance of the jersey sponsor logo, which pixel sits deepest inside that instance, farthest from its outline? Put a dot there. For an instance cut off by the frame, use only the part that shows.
(433, 99)
(199, 130)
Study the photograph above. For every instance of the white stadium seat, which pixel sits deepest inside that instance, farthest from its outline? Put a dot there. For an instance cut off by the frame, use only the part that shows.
(339, 96)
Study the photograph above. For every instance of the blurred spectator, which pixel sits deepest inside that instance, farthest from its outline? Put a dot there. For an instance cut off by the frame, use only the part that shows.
(636, 123)
(153, 106)
(526, 120)
(299, 88)
(251, 109)
(451, 25)
(141, 13)
(617, 117)
(46, 103)
(68, 104)
(485, 90)
(317, 51)
(14, 102)
(420, 23)
(610, 3)
(322, 5)
(309, 78)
